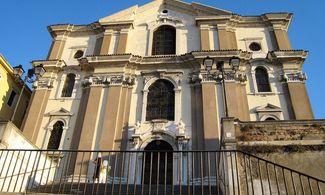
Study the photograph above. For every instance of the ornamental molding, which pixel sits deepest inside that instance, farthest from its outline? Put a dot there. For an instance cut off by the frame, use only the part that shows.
(167, 19)
(43, 83)
(111, 79)
(293, 77)
(158, 129)
(175, 76)
(217, 76)
(158, 126)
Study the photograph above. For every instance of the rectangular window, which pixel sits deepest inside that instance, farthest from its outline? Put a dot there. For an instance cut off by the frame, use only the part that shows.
(11, 98)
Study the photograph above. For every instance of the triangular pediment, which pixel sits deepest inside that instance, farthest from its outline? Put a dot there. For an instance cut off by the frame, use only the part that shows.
(60, 112)
(268, 108)
(195, 9)
(124, 15)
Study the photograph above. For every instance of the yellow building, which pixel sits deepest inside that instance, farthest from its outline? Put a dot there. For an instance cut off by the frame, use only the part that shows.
(10, 88)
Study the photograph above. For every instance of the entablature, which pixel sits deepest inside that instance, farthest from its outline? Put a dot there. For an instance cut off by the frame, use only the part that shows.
(290, 59)
(229, 22)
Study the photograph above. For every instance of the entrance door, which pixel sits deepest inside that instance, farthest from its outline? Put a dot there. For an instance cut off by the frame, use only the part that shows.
(158, 165)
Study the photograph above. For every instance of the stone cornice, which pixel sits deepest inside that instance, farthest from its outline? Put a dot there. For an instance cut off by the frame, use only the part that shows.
(278, 20)
(294, 57)
(117, 25)
(65, 29)
(289, 54)
(222, 54)
(274, 20)
(165, 59)
(50, 65)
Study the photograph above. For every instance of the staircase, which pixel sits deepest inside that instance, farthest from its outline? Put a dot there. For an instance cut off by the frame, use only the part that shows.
(123, 189)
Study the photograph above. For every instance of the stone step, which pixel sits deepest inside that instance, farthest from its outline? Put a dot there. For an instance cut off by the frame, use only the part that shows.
(123, 189)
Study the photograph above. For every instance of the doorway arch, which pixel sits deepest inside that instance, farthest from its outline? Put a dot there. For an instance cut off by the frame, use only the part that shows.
(158, 163)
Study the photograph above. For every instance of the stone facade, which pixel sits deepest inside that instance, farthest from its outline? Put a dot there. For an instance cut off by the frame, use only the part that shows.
(113, 68)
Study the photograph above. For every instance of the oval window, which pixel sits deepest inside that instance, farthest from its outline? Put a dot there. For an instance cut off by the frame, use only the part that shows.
(78, 54)
(255, 46)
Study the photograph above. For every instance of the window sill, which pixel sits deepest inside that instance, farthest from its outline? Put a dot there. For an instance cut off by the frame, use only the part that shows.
(65, 98)
(265, 93)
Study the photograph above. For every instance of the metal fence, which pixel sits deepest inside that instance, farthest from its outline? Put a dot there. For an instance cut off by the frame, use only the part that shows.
(149, 172)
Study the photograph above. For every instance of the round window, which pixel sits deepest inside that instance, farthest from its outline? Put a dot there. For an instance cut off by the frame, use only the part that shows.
(78, 54)
(255, 46)
(165, 11)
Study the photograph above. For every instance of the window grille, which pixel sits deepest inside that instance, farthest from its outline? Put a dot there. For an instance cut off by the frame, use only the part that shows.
(55, 139)
(68, 85)
(262, 80)
(161, 101)
(164, 41)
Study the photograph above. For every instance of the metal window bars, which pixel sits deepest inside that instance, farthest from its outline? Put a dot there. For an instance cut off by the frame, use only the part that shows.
(227, 172)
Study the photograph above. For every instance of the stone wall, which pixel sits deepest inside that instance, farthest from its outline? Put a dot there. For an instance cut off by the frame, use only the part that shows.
(299, 145)
(313, 130)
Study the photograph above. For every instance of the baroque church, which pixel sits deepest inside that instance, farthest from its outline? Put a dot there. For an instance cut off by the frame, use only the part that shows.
(143, 74)
(162, 76)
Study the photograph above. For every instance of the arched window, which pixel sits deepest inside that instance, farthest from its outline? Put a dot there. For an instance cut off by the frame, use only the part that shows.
(68, 85)
(164, 41)
(161, 101)
(55, 137)
(262, 80)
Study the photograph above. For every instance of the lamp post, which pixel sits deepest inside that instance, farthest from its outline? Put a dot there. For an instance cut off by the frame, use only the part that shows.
(18, 72)
(234, 64)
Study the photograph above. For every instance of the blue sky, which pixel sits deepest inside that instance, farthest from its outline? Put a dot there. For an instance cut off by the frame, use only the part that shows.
(24, 36)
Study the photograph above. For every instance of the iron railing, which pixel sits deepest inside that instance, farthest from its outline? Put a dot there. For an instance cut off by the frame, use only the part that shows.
(149, 172)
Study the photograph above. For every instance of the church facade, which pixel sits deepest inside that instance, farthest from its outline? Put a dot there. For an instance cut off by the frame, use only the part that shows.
(164, 73)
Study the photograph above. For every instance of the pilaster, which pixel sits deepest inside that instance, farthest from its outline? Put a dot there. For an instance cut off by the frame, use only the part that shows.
(88, 128)
(116, 112)
(35, 112)
(205, 37)
(122, 43)
(106, 42)
(210, 116)
(197, 118)
(237, 102)
(294, 82)
(298, 95)
(205, 105)
(282, 39)
(57, 46)
(90, 120)
(279, 23)
(227, 37)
